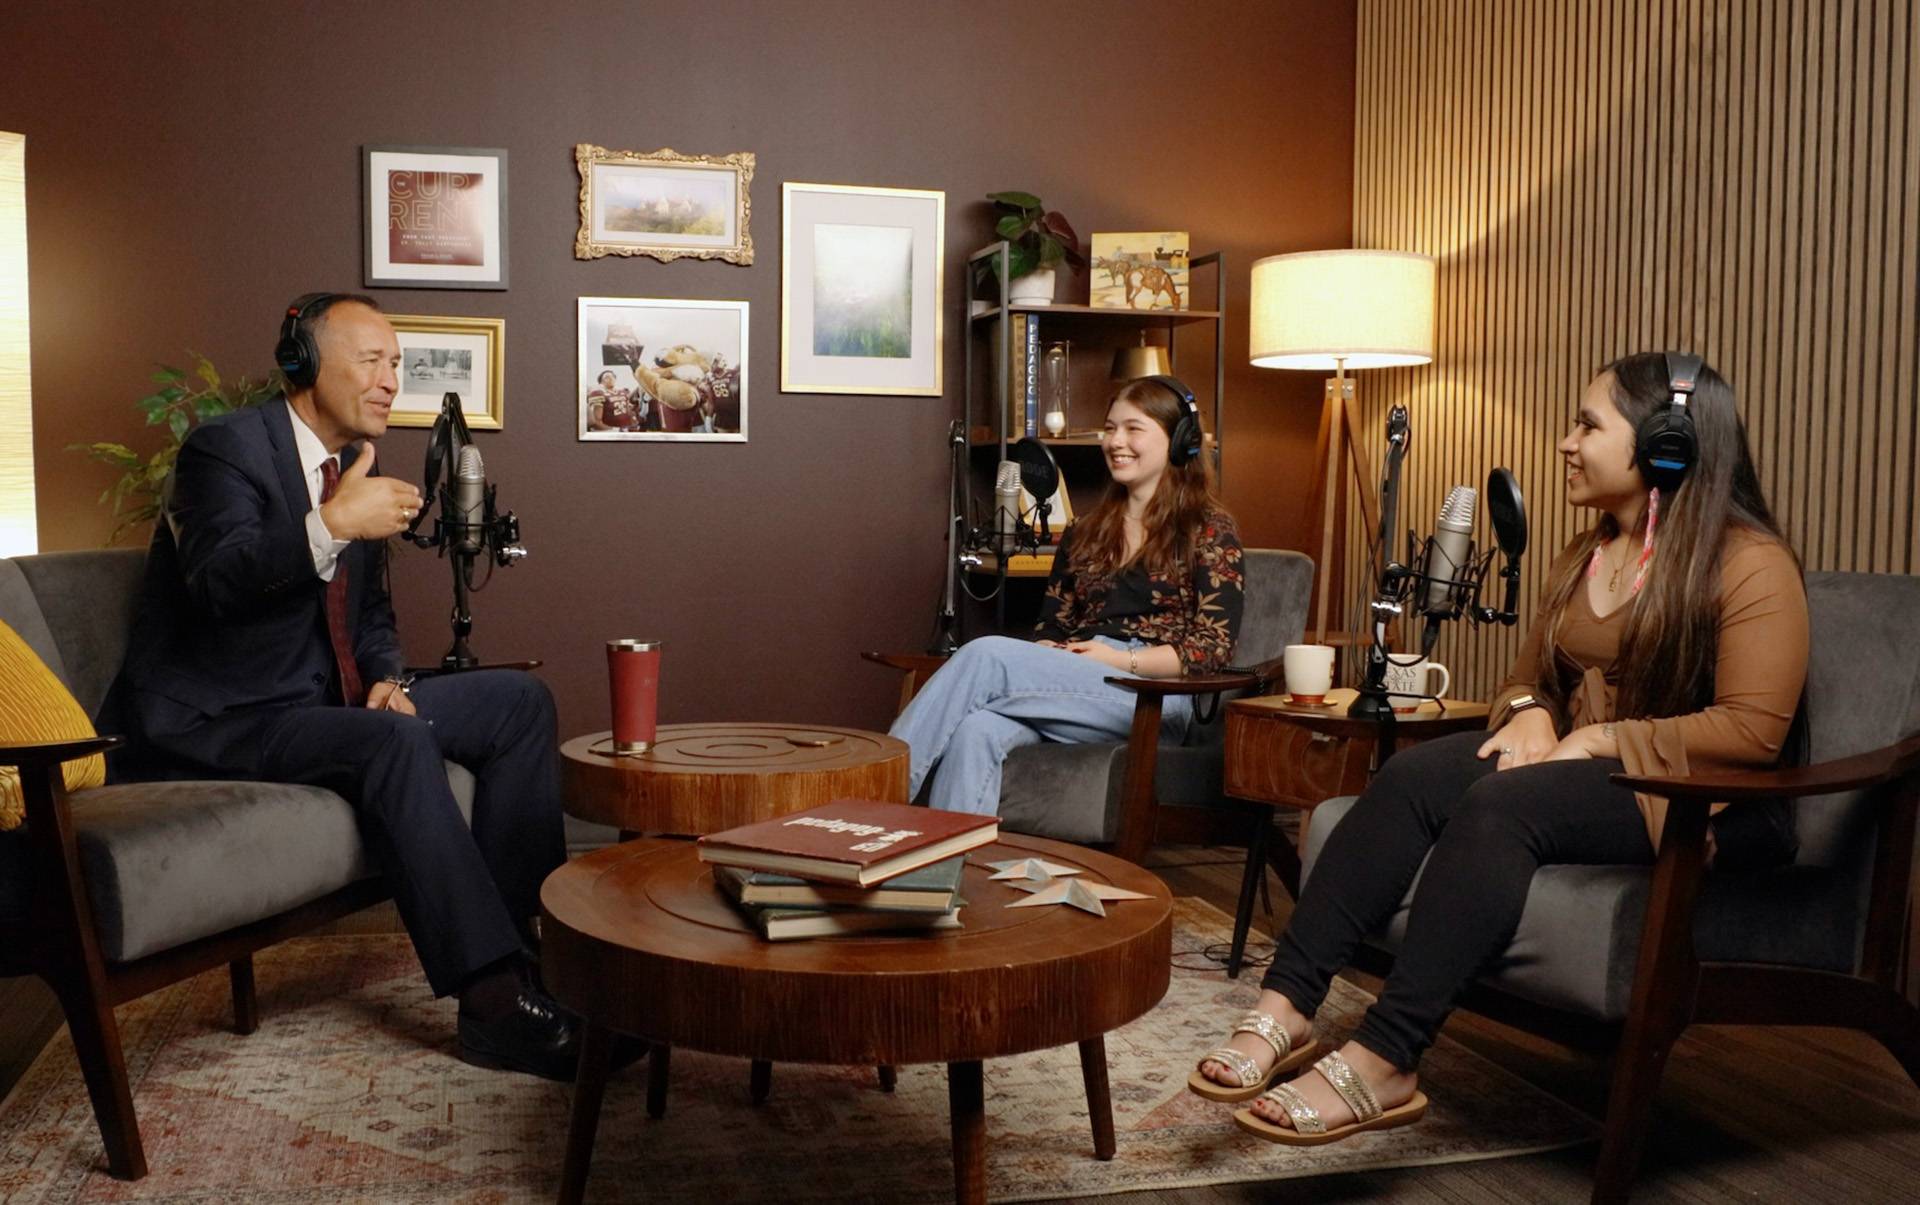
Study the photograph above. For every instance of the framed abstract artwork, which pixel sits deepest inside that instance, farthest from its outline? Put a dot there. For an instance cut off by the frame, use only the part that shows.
(653, 368)
(439, 356)
(860, 289)
(664, 204)
(434, 217)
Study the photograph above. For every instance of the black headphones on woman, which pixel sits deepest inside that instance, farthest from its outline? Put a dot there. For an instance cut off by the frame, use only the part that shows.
(1184, 441)
(296, 354)
(1665, 446)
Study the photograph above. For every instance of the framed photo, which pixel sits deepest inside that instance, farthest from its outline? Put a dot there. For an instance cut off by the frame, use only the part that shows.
(659, 369)
(860, 308)
(466, 356)
(1140, 271)
(664, 204)
(434, 217)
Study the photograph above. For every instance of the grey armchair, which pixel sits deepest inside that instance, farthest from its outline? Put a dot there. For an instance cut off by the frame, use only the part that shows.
(1628, 957)
(1125, 794)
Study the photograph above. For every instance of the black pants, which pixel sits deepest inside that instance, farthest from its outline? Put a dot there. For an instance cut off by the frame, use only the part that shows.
(1483, 834)
(461, 891)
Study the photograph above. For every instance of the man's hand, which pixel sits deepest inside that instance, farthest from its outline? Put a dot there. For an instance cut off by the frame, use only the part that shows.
(389, 696)
(1525, 738)
(369, 508)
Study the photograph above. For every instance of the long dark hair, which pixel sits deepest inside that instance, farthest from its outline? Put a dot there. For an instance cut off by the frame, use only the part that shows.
(1175, 515)
(1673, 630)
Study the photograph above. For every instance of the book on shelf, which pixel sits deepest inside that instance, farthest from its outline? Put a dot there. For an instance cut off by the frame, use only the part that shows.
(931, 888)
(850, 841)
(1019, 392)
(790, 924)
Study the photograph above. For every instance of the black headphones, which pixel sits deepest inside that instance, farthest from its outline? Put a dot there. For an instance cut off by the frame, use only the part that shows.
(1183, 442)
(296, 354)
(1665, 446)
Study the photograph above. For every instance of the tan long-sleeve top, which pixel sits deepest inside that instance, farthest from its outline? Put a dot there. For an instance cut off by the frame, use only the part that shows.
(1760, 668)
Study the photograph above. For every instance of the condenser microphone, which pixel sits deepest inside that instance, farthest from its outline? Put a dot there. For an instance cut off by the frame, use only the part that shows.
(1006, 505)
(1452, 547)
(469, 502)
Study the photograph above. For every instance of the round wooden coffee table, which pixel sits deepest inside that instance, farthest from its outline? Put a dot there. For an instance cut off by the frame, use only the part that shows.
(702, 778)
(636, 938)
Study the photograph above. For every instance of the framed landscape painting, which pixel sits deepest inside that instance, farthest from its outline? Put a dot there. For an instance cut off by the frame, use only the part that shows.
(860, 289)
(664, 204)
(439, 356)
(434, 217)
(653, 368)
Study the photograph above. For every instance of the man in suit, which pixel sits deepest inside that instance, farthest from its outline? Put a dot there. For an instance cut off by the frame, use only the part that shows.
(266, 649)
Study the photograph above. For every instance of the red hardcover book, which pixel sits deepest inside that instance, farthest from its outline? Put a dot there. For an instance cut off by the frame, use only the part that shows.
(850, 841)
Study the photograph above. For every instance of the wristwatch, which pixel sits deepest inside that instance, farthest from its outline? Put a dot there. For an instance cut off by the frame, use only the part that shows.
(1520, 703)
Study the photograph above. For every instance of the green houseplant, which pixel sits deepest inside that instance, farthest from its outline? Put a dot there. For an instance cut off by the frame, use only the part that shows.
(1040, 238)
(181, 403)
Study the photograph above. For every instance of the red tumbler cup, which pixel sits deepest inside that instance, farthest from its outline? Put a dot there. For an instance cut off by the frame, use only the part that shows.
(633, 668)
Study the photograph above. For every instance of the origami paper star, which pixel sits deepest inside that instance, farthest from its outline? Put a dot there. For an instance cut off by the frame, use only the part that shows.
(1030, 874)
(1078, 893)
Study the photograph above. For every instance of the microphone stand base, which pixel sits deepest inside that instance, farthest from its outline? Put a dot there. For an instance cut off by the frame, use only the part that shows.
(1370, 705)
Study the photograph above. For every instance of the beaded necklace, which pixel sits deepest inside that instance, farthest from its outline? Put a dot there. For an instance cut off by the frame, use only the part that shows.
(1646, 551)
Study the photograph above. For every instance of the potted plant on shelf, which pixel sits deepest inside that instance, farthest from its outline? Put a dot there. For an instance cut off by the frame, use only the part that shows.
(181, 404)
(1040, 239)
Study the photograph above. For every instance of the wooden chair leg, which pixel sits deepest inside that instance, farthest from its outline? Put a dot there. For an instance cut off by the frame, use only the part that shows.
(1139, 807)
(246, 1006)
(1250, 882)
(888, 1076)
(96, 1043)
(1901, 1036)
(759, 1081)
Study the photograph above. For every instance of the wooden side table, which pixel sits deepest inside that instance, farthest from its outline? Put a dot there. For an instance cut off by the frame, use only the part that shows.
(1290, 755)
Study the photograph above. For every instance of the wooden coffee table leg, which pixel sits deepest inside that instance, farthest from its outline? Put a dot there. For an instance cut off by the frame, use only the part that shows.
(888, 1076)
(1093, 1069)
(966, 1101)
(589, 1085)
(760, 1080)
(659, 1055)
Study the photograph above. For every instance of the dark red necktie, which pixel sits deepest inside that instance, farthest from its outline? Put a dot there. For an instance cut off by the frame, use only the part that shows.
(337, 603)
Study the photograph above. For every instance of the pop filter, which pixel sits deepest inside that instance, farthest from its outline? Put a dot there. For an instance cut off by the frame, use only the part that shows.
(1509, 513)
(1039, 475)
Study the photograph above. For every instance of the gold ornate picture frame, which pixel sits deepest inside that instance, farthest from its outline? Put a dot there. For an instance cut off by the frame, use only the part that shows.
(438, 355)
(664, 204)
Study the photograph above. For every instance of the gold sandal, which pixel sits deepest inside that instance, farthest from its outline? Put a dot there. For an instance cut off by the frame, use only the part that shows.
(1309, 1129)
(1244, 1068)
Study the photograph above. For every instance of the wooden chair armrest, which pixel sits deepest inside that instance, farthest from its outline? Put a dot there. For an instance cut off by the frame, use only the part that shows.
(912, 663)
(1192, 684)
(1842, 774)
(28, 757)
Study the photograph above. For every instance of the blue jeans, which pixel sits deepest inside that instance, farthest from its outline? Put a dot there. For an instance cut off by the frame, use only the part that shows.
(998, 693)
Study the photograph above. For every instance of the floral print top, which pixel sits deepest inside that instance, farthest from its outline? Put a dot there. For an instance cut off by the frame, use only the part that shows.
(1198, 612)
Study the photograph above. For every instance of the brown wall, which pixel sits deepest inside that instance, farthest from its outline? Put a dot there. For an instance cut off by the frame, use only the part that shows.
(191, 167)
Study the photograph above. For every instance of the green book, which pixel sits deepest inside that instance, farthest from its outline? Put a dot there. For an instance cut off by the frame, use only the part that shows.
(931, 888)
(789, 924)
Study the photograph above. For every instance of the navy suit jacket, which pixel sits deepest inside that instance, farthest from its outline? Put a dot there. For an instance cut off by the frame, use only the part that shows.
(232, 623)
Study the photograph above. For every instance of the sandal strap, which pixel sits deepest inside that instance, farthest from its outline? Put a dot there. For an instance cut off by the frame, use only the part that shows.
(1352, 1089)
(1265, 1027)
(1242, 1065)
(1306, 1118)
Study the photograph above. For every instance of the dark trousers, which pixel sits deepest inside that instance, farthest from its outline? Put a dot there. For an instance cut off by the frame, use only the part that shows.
(461, 891)
(1483, 833)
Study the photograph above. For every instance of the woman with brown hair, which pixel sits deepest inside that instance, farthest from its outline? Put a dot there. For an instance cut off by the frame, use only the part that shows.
(1147, 584)
(1672, 639)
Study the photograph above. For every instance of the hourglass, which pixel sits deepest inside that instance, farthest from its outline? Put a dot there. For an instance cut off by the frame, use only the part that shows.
(1058, 386)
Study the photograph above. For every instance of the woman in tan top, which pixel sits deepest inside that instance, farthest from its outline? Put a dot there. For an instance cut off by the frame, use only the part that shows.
(1672, 638)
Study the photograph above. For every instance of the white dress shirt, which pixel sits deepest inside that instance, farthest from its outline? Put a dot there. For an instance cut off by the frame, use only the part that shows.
(313, 454)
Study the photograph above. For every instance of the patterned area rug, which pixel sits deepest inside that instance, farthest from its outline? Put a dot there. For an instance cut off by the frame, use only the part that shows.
(349, 1092)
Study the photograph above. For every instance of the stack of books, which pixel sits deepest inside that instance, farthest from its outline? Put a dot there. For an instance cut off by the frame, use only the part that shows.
(850, 866)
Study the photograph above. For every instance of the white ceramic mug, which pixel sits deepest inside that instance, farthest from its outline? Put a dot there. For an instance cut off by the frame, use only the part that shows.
(1409, 683)
(1309, 671)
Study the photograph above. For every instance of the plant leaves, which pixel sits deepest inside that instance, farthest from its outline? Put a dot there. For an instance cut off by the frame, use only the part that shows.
(207, 373)
(1022, 260)
(1019, 200)
(1051, 253)
(1011, 227)
(178, 423)
(164, 375)
(1057, 226)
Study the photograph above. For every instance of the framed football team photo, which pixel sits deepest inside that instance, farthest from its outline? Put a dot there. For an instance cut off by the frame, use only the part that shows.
(467, 356)
(434, 217)
(665, 370)
(860, 307)
(664, 204)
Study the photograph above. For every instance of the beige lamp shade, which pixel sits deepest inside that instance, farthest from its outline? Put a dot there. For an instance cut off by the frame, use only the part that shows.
(1319, 309)
(1132, 363)
(18, 528)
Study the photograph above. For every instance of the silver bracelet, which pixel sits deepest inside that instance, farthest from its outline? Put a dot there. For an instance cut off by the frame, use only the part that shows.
(1133, 661)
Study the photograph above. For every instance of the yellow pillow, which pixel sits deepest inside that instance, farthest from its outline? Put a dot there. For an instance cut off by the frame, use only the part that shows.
(37, 708)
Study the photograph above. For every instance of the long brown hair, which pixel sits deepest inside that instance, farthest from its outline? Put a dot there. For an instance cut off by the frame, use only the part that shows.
(1174, 516)
(1673, 629)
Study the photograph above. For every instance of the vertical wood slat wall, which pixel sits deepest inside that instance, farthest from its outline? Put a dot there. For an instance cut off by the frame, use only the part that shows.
(1740, 178)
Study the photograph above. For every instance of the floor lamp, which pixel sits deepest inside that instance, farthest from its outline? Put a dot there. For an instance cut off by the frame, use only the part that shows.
(1340, 310)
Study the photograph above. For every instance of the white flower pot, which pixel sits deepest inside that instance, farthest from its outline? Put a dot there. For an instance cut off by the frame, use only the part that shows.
(1035, 288)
